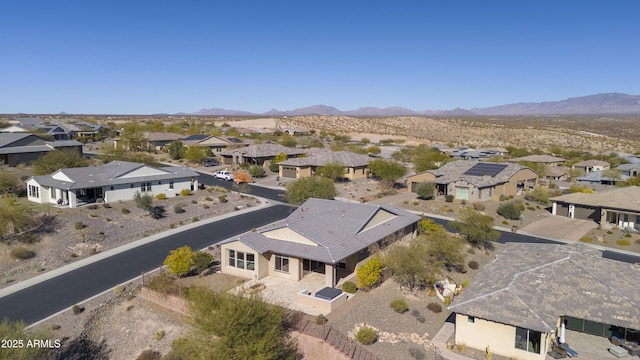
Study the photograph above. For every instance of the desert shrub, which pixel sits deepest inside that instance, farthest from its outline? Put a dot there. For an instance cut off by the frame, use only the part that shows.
(106, 205)
(194, 219)
(623, 242)
(426, 190)
(479, 206)
(22, 253)
(447, 300)
(321, 319)
(505, 222)
(172, 226)
(92, 207)
(194, 201)
(627, 235)
(222, 199)
(208, 198)
(150, 354)
(159, 335)
(448, 198)
(79, 225)
(366, 335)
(471, 250)
(157, 212)
(465, 283)
(178, 209)
(369, 273)
(206, 206)
(118, 289)
(421, 319)
(77, 309)
(473, 265)
(202, 260)
(125, 211)
(74, 255)
(256, 171)
(185, 192)
(531, 208)
(434, 307)
(399, 305)
(510, 210)
(586, 239)
(161, 196)
(349, 287)
(415, 313)
(609, 232)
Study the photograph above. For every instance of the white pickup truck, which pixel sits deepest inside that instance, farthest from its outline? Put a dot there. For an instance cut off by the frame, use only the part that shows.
(224, 175)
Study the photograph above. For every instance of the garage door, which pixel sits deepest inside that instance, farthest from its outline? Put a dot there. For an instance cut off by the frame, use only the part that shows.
(288, 172)
(562, 209)
(586, 213)
(462, 193)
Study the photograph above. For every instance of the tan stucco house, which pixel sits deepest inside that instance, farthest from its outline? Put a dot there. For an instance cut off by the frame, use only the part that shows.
(258, 154)
(355, 165)
(320, 236)
(477, 181)
(616, 207)
(515, 305)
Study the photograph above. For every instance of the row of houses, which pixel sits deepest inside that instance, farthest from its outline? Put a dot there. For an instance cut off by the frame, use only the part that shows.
(62, 129)
(21, 148)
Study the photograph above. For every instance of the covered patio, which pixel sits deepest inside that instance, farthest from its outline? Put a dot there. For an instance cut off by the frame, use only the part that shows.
(588, 346)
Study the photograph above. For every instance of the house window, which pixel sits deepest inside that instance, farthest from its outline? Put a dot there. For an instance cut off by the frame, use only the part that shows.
(171, 184)
(528, 340)
(145, 186)
(34, 191)
(112, 187)
(241, 260)
(282, 263)
(52, 192)
(471, 320)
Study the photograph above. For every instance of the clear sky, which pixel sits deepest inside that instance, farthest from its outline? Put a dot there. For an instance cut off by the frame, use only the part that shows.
(144, 57)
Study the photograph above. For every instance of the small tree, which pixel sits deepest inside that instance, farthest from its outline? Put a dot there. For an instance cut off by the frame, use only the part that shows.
(202, 260)
(256, 171)
(477, 228)
(332, 170)
(143, 201)
(15, 216)
(426, 190)
(510, 210)
(175, 150)
(58, 159)
(387, 172)
(301, 190)
(369, 273)
(197, 153)
(9, 183)
(180, 261)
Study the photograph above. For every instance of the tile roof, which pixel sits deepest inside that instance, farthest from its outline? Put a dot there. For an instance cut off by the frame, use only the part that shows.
(10, 138)
(596, 176)
(338, 229)
(588, 163)
(619, 198)
(555, 171)
(162, 136)
(344, 158)
(111, 174)
(532, 285)
(455, 170)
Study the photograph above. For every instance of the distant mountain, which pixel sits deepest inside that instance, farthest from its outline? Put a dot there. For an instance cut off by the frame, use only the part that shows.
(610, 103)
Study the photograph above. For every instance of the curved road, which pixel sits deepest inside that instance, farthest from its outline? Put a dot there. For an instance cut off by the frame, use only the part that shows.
(46, 298)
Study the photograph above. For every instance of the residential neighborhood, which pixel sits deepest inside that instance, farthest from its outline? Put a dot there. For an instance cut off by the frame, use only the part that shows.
(335, 254)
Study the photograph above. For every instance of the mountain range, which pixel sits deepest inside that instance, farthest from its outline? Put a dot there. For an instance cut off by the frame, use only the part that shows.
(609, 103)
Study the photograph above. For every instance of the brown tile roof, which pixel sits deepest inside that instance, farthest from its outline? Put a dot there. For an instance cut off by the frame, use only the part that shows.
(532, 285)
(264, 150)
(588, 163)
(162, 136)
(547, 159)
(344, 158)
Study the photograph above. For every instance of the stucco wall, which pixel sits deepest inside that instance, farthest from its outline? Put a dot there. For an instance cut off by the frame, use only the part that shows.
(499, 337)
(414, 180)
(225, 268)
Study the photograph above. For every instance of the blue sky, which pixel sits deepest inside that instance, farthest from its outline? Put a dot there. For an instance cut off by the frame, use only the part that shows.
(144, 57)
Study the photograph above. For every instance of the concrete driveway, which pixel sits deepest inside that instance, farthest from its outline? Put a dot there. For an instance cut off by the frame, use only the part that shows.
(559, 227)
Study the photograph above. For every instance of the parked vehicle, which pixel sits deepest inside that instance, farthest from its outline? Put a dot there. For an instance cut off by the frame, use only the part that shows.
(210, 162)
(224, 175)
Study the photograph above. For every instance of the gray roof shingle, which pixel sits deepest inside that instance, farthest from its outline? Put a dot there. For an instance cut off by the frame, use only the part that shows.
(263, 150)
(532, 285)
(344, 158)
(455, 170)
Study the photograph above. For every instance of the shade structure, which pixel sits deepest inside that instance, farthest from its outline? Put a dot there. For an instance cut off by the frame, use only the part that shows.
(562, 331)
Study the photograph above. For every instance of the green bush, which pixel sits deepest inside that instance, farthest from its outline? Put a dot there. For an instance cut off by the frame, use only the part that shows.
(92, 207)
(178, 209)
(399, 305)
(185, 192)
(150, 354)
(256, 171)
(321, 319)
(106, 205)
(473, 265)
(505, 222)
(586, 239)
(369, 273)
(22, 253)
(222, 199)
(510, 210)
(125, 211)
(366, 336)
(627, 235)
(609, 232)
(623, 242)
(479, 206)
(349, 287)
(202, 260)
(448, 198)
(161, 196)
(77, 309)
(426, 190)
(194, 219)
(78, 225)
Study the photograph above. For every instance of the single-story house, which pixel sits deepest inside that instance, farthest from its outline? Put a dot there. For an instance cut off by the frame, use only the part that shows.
(516, 304)
(321, 236)
(21, 148)
(557, 173)
(115, 181)
(600, 177)
(539, 159)
(591, 165)
(629, 169)
(258, 154)
(477, 181)
(616, 207)
(158, 140)
(219, 144)
(355, 165)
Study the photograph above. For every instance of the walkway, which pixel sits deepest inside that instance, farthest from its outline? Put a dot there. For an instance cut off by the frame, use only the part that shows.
(440, 341)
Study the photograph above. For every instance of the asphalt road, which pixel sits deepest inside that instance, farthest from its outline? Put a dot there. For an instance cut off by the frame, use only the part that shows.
(267, 193)
(46, 298)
